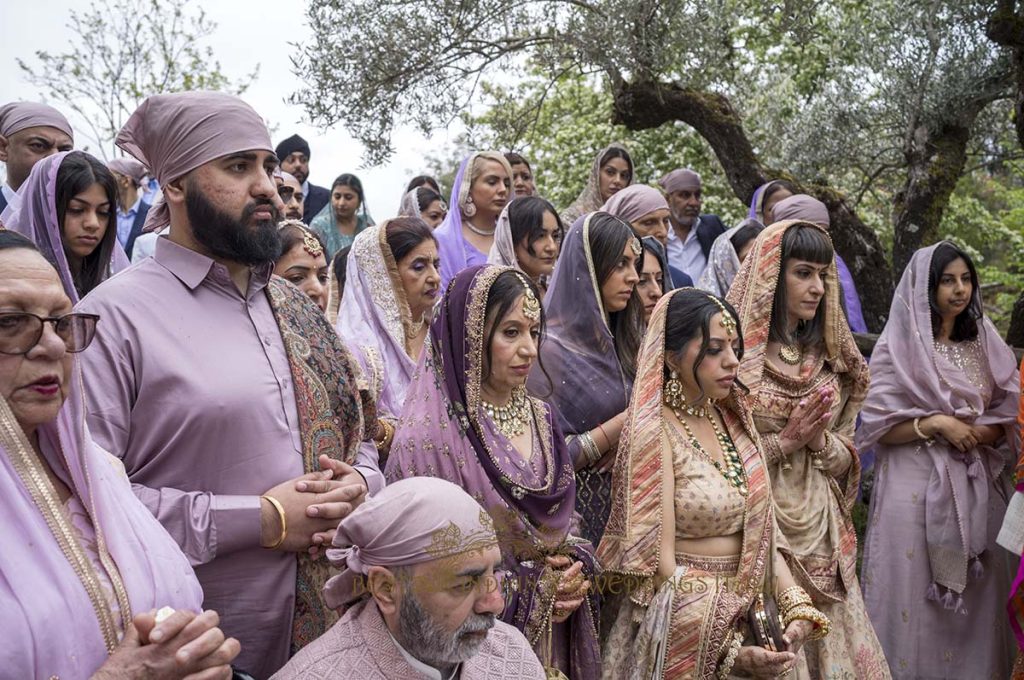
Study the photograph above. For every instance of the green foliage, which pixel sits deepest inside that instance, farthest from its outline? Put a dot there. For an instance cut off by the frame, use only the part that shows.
(122, 52)
(561, 128)
(986, 216)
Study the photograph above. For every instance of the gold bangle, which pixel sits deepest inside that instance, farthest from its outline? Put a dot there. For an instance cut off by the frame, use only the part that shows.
(284, 522)
(794, 596)
(803, 612)
(384, 443)
(591, 454)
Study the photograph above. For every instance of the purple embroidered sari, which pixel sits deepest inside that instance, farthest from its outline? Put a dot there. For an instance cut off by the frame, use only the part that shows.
(444, 432)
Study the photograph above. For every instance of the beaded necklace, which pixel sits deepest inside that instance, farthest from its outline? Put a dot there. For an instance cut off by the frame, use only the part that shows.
(733, 469)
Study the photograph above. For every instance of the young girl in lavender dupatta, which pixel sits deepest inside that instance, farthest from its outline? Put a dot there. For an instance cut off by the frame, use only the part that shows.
(468, 419)
(941, 416)
(69, 210)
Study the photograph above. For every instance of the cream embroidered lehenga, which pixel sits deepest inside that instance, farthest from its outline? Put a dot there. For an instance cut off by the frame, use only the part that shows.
(812, 505)
(684, 628)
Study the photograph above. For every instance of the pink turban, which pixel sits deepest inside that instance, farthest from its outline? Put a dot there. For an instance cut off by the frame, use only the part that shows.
(173, 134)
(414, 520)
(678, 180)
(18, 116)
(802, 207)
(129, 167)
(634, 202)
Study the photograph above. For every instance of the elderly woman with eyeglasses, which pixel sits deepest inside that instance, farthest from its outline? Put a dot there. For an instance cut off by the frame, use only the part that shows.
(91, 585)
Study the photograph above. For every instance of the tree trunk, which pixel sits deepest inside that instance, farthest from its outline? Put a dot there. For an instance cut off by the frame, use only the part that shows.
(935, 161)
(1015, 333)
(645, 105)
(1006, 27)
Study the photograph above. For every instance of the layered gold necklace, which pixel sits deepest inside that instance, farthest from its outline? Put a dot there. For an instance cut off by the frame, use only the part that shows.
(732, 470)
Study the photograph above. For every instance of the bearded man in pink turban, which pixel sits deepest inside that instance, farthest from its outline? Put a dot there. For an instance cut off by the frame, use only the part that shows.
(420, 593)
(225, 392)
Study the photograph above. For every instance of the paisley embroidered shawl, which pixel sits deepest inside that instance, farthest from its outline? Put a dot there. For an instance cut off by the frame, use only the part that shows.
(332, 411)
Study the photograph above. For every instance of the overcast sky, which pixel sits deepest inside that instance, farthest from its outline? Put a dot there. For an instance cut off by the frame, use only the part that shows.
(248, 31)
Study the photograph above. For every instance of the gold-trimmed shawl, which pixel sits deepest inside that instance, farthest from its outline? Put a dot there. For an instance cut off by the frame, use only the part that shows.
(753, 294)
(704, 617)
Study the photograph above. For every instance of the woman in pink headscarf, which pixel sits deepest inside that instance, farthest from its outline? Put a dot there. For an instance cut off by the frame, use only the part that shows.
(69, 209)
(85, 565)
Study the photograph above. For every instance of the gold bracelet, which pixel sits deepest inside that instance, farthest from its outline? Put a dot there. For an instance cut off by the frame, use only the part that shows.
(793, 597)
(725, 667)
(803, 612)
(591, 454)
(284, 522)
(384, 443)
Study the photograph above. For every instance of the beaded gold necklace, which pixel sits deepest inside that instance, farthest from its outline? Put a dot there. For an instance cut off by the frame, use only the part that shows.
(733, 469)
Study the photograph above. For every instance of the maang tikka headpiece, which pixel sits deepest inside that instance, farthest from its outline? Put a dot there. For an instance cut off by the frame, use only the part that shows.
(728, 322)
(636, 246)
(531, 305)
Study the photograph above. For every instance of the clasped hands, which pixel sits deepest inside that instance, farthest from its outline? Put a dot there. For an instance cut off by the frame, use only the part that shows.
(808, 423)
(313, 504)
(572, 587)
(963, 436)
(184, 645)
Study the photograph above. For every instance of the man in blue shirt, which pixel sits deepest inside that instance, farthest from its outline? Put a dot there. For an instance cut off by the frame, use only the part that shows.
(131, 209)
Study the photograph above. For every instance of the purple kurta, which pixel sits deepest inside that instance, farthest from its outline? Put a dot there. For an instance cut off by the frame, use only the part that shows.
(189, 384)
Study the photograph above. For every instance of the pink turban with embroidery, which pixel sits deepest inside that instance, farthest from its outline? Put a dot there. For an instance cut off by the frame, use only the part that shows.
(680, 179)
(412, 521)
(18, 116)
(173, 134)
(634, 202)
(802, 207)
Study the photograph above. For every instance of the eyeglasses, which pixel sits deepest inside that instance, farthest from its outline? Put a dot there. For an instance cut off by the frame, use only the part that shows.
(21, 331)
(288, 193)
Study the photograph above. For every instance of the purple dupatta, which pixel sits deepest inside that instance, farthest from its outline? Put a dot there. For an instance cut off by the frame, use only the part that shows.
(374, 319)
(444, 432)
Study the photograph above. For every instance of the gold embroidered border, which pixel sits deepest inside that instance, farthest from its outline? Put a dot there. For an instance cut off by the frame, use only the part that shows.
(44, 495)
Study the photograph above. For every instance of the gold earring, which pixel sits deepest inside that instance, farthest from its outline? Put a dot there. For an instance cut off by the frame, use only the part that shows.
(673, 396)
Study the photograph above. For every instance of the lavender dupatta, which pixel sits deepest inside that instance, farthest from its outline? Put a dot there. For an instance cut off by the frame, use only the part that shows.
(44, 599)
(455, 251)
(37, 220)
(587, 383)
(910, 380)
(374, 317)
(445, 433)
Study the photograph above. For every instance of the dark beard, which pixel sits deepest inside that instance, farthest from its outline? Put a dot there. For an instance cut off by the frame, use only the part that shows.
(228, 238)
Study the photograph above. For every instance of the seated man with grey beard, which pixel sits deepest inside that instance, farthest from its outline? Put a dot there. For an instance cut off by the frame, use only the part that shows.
(419, 593)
